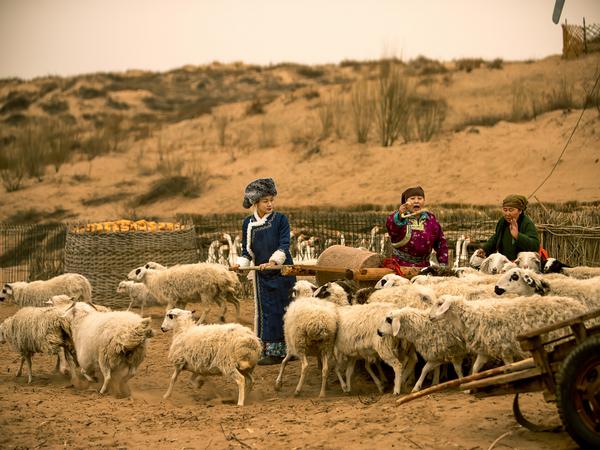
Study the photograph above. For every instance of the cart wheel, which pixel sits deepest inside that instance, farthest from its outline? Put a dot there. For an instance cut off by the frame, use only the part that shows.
(578, 393)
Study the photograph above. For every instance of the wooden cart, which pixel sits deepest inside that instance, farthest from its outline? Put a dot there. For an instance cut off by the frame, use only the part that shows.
(566, 370)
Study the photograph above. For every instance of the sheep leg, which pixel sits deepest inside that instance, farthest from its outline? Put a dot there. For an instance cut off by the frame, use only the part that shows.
(408, 365)
(373, 376)
(324, 373)
(238, 311)
(241, 382)
(436, 376)
(106, 373)
(204, 314)
(279, 380)
(130, 303)
(223, 312)
(28, 361)
(304, 361)
(176, 373)
(197, 380)
(457, 364)
(87, 377)
(382, 376)
(479, 362)
(398, 367)
(142, 304)
(20, 366)
(429, 366)
(339, 375)
(61, 360)
(349, 372)
(249, 381)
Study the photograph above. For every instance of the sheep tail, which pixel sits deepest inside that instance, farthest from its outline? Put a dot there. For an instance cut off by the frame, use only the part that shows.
(134, 337)
(248, 350)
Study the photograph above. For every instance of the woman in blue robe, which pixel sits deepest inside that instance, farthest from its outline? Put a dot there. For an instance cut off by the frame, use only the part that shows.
(266, 243)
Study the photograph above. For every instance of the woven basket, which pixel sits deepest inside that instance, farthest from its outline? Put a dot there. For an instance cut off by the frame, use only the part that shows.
(106, 258)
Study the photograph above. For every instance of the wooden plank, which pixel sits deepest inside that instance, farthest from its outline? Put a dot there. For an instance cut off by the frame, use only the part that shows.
(574, 320)
(503, 378)
(519, 365)
(367, 274)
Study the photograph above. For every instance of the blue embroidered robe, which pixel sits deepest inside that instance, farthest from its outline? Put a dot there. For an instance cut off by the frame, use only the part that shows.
(268, 239)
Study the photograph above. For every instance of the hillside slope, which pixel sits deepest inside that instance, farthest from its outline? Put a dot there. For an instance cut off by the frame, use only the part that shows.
(276, 130)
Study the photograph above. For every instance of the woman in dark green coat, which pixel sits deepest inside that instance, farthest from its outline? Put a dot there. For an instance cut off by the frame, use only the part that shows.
(515, 231)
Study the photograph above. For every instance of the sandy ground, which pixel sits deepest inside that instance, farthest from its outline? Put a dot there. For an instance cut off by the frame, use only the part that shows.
(51, 414)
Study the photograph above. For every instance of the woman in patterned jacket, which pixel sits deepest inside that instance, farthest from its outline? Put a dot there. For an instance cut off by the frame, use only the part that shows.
(414, 232)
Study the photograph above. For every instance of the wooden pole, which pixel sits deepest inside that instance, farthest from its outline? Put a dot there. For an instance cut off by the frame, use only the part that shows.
(519, 365)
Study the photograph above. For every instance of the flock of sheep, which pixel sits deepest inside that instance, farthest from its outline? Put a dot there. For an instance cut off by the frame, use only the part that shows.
(475, 315)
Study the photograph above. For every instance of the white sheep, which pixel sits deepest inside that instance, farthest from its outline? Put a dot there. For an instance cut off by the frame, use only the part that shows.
(526, 282)
(496, 263)
(310, 326)
(434, 341)
(413, 295)
(332, 292)
(229, 349)
(137, 292)
(391, 280)
(205, 283)
(154, 265)
(303, 288)
(64, 301)
(476, 260)
(489, 327)
(357, 338)
(553, 265)
(529, 260)
(110, 343)
(38, 330)
(36, 293)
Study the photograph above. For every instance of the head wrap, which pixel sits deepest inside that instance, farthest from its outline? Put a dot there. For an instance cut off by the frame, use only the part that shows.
(411, 192)
(515, 201)
(257, 189)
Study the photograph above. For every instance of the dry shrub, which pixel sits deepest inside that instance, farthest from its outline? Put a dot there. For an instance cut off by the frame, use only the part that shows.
(221, 123)
(428, 115)
(392, 106)
(363, 109)
(266, 134)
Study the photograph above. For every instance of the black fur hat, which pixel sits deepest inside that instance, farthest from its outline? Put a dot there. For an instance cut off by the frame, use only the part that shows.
(258, 189)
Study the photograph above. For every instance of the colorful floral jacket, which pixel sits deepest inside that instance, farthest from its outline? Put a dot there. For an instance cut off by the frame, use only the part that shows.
(414, 237)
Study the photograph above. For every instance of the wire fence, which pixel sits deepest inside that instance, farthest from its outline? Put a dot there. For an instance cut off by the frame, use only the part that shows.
(31, 252)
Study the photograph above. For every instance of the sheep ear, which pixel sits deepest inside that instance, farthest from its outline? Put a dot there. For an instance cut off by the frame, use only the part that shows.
(530, 282)
(542, 287)
(443, 308)
(395, 326)
(485, 265)
(426, 298)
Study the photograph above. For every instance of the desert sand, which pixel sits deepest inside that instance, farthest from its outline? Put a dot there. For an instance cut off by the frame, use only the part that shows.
(49, 413)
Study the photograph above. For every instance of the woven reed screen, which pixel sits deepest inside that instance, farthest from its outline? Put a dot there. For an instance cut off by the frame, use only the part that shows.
(106, 258)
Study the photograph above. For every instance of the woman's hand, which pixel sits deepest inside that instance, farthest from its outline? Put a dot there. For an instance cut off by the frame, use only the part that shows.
(234, 267)
(403, 208)
(514, 228)
(263, 266)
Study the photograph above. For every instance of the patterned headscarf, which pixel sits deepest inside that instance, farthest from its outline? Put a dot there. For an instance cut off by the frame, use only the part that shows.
(515, 201)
